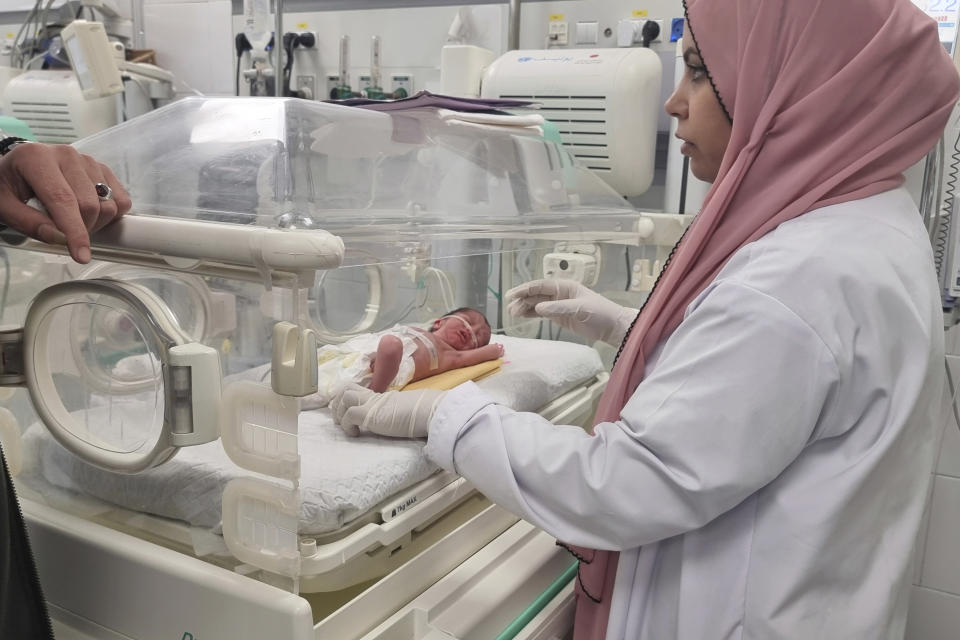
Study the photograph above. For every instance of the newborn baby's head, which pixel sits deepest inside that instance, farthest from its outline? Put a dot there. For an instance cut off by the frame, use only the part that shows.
(462, 329)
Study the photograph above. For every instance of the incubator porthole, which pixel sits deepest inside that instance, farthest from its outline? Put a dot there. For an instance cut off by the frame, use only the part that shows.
(347, 302)
(97, 367)
(114, 351)
(186, 297)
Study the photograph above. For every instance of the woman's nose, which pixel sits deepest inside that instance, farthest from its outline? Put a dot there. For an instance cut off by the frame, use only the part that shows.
(675, 106)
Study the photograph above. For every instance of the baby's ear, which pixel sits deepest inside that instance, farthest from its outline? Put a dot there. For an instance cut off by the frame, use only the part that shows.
(436, 324)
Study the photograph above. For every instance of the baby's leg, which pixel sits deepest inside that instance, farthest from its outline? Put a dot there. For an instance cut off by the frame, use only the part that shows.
(386, 364)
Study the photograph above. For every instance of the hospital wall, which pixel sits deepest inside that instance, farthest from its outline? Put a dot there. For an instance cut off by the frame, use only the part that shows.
(935, 600)
(194, 39)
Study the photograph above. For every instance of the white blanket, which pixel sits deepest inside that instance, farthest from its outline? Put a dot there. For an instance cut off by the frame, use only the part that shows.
(342, 477)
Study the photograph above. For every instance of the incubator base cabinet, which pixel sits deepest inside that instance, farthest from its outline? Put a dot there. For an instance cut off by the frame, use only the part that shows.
(164, 407)
(453, 590)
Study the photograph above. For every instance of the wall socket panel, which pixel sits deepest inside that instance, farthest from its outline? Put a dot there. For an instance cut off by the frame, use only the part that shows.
(307, 86)
(558, 33)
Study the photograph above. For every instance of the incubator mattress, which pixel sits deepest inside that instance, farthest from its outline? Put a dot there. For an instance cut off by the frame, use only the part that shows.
(342, 477)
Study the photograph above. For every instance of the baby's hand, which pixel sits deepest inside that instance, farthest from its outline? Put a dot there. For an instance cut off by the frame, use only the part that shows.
(500, 351)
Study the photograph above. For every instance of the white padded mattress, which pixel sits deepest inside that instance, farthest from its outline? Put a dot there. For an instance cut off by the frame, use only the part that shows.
(342, 477)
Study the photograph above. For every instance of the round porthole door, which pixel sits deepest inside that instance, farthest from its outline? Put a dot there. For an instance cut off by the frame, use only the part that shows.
(114, 378)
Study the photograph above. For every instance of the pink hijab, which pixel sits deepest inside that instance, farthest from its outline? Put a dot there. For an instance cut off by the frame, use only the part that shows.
(831, 100)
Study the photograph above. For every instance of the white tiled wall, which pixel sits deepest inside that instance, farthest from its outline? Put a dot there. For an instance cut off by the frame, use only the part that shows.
(933, 615)
(935, 602)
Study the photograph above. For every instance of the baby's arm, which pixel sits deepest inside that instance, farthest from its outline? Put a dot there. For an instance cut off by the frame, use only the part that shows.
(471, 357)
(386, 363)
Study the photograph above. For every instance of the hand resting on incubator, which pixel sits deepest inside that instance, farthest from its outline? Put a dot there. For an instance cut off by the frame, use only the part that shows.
(393, 358)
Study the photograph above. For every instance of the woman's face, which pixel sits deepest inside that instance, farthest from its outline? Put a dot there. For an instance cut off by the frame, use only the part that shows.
(701, 122)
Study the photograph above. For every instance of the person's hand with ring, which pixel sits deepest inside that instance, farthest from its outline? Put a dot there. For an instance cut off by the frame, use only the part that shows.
(80, 195)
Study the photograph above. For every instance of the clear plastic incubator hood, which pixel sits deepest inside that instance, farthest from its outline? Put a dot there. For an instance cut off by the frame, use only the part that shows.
(152, 404)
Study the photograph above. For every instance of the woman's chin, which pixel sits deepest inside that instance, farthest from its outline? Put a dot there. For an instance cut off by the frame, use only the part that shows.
(705, 174)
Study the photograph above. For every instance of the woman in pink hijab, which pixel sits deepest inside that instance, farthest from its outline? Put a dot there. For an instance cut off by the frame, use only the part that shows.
(762, 453)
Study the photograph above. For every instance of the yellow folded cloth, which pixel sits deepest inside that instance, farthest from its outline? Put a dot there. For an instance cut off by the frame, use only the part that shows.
(456, 377)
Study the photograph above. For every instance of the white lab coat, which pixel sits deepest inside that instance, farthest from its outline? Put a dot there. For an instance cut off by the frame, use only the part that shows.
(767, 479)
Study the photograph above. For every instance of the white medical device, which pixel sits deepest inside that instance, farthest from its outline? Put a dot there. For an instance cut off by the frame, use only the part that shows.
(63, 106)
(574, 261)
(6, 75)
(53, 105)
(92, 57)
(604, 102)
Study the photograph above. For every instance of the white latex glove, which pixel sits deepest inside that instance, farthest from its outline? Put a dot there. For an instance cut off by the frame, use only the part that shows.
(397, 414)
(572, 306)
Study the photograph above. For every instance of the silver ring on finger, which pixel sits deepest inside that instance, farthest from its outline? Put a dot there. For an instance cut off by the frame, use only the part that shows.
(104, 192)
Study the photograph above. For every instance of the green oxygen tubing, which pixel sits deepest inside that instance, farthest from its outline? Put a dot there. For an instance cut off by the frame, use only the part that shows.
(539, 603)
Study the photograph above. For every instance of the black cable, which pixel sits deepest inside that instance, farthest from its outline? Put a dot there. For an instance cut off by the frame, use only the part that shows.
(242, 44)
(290, 42)
(683, 185)
(626, 253)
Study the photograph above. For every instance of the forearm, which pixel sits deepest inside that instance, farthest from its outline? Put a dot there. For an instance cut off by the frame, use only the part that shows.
(386, 364)
(721, 415)
(600, 492)
(476, 356)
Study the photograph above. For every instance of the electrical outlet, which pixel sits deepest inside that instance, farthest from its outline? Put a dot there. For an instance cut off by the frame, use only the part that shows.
(630, 32)
(306, 87)
(308, 42)
(676, 29)
(558, 33)
(659, 38)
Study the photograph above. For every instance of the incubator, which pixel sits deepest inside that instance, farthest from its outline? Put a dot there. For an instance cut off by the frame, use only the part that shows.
(169, 495)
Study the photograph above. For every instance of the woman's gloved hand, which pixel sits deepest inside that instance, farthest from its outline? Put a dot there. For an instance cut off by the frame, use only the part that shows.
(572, 306)
(397, 414)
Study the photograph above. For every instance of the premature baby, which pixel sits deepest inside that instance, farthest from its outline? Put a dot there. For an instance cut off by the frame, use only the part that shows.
(395, 357)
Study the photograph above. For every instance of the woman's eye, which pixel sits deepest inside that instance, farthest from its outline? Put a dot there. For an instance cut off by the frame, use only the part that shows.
(696, 73)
